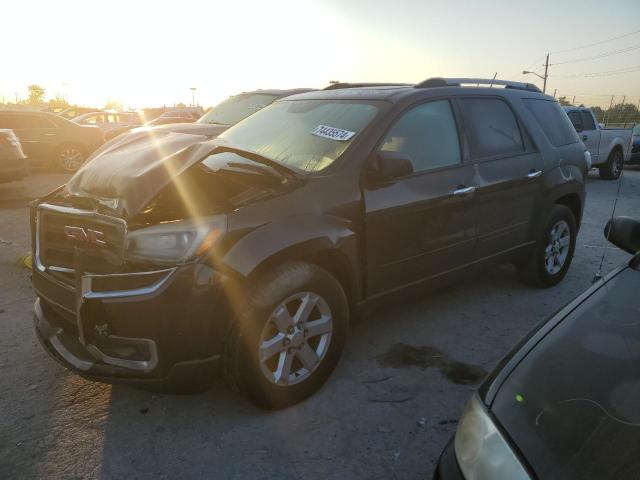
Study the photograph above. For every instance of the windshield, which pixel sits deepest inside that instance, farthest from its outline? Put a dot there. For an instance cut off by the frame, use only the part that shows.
(306, 134)
(237, 108)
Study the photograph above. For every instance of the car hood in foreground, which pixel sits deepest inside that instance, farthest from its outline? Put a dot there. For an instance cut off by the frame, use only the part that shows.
(570, 405)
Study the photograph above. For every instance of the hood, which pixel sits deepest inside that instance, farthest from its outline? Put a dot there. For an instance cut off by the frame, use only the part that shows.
(206, 129)
(128, 172)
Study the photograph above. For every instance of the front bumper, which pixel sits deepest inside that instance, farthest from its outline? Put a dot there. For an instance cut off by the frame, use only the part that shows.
(145, 327)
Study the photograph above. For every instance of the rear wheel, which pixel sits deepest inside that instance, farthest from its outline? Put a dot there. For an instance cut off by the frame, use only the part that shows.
(551, 257)
(70, 157)
(288, 336)
(612, 169)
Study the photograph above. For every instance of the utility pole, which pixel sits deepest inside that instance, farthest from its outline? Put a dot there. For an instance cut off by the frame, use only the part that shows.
(546, 74)
(555, 90)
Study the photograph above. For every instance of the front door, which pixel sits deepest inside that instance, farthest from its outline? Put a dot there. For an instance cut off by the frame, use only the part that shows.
(420, 225)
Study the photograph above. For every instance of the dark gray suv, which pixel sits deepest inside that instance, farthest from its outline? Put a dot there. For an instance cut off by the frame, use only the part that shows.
(171, 254)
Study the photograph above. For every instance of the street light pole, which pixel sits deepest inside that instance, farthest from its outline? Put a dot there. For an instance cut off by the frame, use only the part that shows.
(546, 75)
(542, 77)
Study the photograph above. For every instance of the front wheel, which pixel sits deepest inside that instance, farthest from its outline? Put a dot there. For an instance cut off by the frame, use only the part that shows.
(553, 251)
(612, 169)
(70, 158)
(288, 335)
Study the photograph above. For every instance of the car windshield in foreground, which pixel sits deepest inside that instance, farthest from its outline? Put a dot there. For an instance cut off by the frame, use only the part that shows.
(237, 108)
(308, 135)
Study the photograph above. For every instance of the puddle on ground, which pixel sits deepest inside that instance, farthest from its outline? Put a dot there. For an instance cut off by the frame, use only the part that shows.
(401, 355)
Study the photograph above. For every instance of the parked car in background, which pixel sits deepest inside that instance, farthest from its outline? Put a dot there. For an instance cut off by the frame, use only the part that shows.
(563, 404)
(222, 116)
(13, 165)
(609, 147)
(634, 158)
(193, 113)
(73, 112)
(251, 250)
(108, 121)
(51, 139)
(162, 120)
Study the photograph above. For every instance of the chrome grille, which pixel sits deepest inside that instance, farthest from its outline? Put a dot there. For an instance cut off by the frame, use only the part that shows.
(57, 244)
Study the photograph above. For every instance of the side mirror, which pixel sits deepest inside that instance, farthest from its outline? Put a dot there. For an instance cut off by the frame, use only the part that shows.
(601, 126)
(624, 232)
(389, 165)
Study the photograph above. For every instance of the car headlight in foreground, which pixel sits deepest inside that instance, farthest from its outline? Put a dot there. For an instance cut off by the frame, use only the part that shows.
(174, 242)
(481, 450)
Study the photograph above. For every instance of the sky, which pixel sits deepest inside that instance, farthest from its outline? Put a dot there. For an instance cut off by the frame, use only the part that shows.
(149, 53)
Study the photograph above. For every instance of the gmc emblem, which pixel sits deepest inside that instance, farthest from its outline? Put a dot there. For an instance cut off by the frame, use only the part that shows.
(86, 235)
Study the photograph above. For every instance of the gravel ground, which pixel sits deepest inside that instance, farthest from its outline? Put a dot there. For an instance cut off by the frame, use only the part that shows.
(386, 412)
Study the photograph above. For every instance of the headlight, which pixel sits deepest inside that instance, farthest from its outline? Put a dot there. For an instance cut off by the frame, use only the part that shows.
(174, 242)
(481, 450)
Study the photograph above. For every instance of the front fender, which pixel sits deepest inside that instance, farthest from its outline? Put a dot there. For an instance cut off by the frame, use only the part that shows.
(293, 237)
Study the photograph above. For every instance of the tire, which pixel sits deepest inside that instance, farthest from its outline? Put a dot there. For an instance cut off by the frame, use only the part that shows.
(612, 169)
(260, 372)
(551, 257)
(70, 157)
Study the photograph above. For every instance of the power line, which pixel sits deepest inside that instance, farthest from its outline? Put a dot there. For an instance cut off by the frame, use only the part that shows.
(606, 73)
(600, 55)
(596, 43)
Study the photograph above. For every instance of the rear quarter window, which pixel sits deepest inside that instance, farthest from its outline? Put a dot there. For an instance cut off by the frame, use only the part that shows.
(553, 121)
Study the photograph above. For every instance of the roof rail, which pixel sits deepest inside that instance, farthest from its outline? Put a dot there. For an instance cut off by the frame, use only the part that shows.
(339, 85)
(457, 82)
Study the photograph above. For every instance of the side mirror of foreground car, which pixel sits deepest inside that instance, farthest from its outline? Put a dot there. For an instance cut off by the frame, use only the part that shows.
(624, 232)
(390, 165)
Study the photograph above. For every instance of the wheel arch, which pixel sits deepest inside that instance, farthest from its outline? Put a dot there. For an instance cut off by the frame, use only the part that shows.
(574, 203)
(327, 242)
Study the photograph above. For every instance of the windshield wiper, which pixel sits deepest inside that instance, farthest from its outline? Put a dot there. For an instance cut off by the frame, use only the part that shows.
(256, 157)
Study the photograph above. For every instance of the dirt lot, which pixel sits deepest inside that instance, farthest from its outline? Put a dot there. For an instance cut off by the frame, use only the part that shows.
(386, 413)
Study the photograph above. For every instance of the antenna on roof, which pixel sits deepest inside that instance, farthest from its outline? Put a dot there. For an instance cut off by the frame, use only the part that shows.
(493, 80)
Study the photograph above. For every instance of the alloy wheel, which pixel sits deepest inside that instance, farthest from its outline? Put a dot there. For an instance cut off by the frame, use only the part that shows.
(557, 249)
(70, 159)
(295, 339)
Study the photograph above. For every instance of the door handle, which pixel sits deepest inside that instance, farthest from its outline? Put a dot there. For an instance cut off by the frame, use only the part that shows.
(584, 138)
(534, 173)
(463, 191)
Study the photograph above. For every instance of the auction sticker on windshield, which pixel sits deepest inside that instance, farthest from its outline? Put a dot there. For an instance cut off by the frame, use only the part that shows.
(332, 133)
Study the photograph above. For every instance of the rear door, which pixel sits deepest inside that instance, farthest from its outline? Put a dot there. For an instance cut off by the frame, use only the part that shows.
(590, 135)
(508, 174)
(421, 225)
(587, 132)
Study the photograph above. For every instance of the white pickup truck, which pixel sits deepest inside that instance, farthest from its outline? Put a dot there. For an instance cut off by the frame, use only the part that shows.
(609, 147)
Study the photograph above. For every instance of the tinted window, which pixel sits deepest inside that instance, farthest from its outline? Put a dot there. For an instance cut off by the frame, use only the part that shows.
(571, 405)
(576, 120)
(587, 121)
(428, 135)
(25, 121)
(491, 127)
(553, 121)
